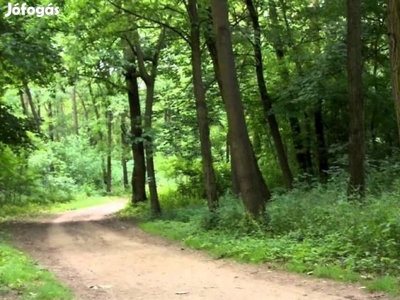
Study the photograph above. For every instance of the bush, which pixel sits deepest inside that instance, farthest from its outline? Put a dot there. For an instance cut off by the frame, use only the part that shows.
(189, 176)
(318, 227)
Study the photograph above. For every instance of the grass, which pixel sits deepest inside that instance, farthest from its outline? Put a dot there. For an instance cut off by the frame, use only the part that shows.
(314, 236)
(29, 210)
(256, 251)
(21, 276)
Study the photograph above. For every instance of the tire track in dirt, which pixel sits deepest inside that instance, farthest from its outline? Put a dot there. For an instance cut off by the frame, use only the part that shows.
(86, 248)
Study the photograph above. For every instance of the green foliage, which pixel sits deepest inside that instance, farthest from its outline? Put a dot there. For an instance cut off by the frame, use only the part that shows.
(188, 175)
(21, 275)
(28, 55)
(14, 130)
(74, 66)
(66, 157)
(313, 231)
(55, 172)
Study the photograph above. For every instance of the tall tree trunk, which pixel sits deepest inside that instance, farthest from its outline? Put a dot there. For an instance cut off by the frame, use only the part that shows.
(212, 49)
(252, 186)
(302, 144)
(322, 152)
(97, 115)
(356, 121)
(303, 156)
(139, 169)
(124, 144)
(85, 111)
(51, 121)
(88, 130)
(59, 117)
(149, 78)
(266, 99)
(151, 174)
(32, 105)
(109, 151)
(23, 106)
(50, 116)
(235, 184)
(39, 107)
(394, 42)
(323, 165)
(75, 110)
(93, 141)
(201, 108)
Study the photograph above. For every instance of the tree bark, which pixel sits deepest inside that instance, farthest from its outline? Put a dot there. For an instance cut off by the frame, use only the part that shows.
(93, 141)
(323, 165)
(124, 144)
(109, 152)
(266, 99)
(303, 156)
(322, 152)
(235, 184)
(151, 174)
(75, 111)
(201, 108)
(149, 79)
(356, 100)
(35, 114)
(394, 43)
(252, 185)
(139, 169)
(51, 121)
(23, 106)
(85, 111)
(212, 49)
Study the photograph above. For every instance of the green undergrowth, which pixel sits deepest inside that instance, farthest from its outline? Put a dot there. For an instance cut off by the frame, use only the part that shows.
(317, 232)
(28, 210)
(21, 276)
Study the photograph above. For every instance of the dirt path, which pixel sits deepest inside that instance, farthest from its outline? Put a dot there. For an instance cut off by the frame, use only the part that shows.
(101, 258)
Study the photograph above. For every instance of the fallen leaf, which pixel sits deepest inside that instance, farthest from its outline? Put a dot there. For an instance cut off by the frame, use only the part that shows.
(181, 293)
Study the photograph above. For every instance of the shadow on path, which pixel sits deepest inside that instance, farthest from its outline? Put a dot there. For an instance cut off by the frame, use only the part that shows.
(103, 258)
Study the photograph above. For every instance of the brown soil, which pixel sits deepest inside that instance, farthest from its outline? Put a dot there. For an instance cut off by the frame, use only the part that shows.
(103, 258)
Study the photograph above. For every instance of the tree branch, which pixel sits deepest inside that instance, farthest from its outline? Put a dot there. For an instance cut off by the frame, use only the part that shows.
(182, 34)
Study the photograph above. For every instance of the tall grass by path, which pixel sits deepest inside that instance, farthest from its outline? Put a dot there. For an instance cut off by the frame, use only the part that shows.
(316, 232)
(21, 276)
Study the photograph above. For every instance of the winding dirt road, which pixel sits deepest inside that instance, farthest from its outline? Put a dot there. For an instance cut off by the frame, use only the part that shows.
(102, 258)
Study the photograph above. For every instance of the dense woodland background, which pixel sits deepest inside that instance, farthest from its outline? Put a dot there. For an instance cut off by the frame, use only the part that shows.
(193, 106)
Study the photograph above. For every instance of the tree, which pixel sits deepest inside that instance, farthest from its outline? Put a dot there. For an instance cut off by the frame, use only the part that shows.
(75, 110)
(109, 116)
(356, 108)
(212, 50)
(14, 130)
(149, 79)
(252, 185)
(201, 107)
(266, 98)
(394, 49)
(124, 152)
(139, 168)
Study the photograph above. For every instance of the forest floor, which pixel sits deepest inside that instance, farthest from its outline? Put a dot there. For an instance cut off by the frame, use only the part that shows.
(100, 257)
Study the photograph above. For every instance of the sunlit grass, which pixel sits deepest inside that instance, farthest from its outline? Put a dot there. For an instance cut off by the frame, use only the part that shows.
(20, 275)
(292, 240)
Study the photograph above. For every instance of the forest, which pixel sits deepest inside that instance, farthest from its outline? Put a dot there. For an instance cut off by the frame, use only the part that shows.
(260, 130)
